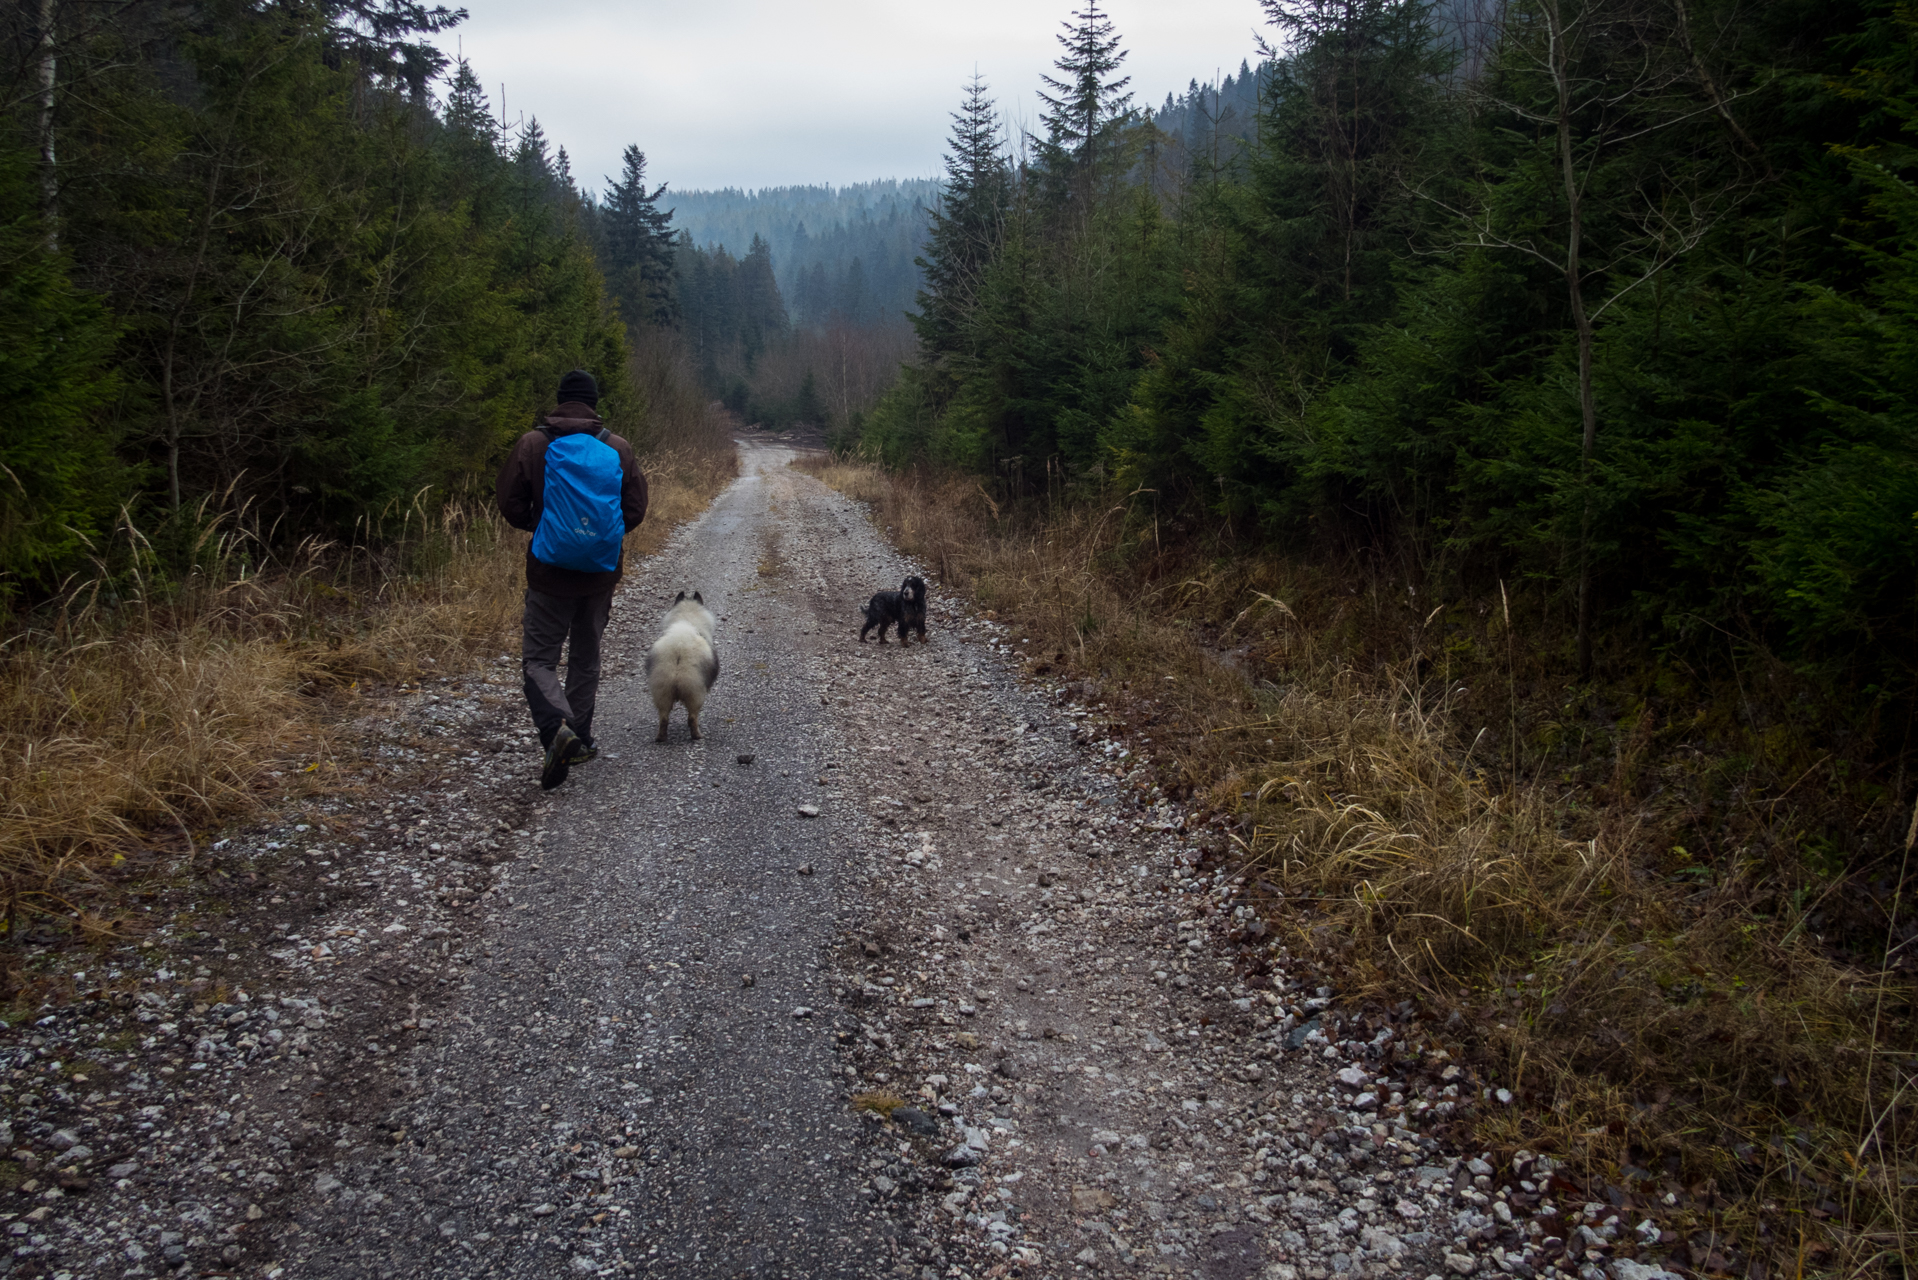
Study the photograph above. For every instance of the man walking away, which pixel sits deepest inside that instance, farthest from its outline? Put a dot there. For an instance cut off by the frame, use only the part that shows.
(577, 489)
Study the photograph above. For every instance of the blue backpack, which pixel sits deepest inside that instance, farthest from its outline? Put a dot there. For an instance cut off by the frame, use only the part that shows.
(580, 524)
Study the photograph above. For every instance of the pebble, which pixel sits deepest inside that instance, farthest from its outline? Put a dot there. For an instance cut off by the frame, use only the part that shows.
(915, 1122)
(1089, 1200)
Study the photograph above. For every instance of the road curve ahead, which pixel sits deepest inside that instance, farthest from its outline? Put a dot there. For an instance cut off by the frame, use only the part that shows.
(634, 1076)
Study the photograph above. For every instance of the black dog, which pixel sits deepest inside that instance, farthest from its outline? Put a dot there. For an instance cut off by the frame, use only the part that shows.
(904, 609)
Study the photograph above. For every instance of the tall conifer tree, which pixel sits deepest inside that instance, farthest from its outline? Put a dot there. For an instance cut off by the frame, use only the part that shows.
(638, 245)
(374, 34)
(468, 114)
(1088, 107)
(761, 310)
(532, 156)
(967, 224)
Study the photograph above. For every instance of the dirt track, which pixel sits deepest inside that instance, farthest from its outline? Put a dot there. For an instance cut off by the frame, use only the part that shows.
(643, 1024)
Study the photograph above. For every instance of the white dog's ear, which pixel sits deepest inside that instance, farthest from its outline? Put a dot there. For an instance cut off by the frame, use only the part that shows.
(679, 597)
(698, 599)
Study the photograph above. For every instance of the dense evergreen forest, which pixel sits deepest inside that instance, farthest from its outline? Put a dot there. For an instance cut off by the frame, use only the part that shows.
(1527, 405)
(793, 300)
(1207, 124)
(1614, 298)
(246, 258)
(1617, 299)
(837, 251)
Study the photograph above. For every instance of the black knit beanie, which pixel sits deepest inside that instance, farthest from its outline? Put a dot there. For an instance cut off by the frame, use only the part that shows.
(578, 386)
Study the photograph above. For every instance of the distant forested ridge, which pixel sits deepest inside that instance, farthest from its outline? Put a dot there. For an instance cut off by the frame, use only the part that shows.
(1219, 116)
(846, 250)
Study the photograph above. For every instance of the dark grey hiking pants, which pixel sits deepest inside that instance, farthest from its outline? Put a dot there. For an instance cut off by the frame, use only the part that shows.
(551, 622)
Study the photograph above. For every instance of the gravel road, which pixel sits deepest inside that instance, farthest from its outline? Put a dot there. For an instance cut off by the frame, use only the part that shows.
(901, 970)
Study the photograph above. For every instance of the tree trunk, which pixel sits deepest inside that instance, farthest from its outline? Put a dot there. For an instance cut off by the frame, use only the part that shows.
(1581, 323)
(172, 430)
(845, 381)
(1589, 412)
(49, 178)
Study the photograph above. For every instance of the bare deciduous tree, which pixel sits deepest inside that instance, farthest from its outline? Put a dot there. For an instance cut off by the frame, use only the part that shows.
(1645, 159)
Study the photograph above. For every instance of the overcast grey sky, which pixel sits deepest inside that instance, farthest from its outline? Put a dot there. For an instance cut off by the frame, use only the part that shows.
(754, 93)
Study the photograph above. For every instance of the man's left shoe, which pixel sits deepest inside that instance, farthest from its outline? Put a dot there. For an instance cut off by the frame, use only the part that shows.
(582, 752)
(559, 758)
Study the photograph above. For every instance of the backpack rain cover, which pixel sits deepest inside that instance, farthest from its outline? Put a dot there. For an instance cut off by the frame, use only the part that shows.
(580, 524)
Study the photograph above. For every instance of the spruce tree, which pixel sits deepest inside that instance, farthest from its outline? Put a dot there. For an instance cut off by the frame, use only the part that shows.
(638, 242)
(760, 310)
(1086, 111)
(966, 224)
(531, 154)
(468, 114)
(373, 34)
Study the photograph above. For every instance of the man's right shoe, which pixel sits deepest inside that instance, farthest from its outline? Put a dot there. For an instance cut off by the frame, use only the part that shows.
(558, 758)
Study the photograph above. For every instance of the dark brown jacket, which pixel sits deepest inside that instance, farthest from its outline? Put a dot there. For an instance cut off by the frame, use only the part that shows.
(522, 495)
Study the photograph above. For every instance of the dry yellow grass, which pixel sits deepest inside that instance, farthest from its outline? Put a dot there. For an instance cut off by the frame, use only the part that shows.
(1662, 1031)
(149, 720)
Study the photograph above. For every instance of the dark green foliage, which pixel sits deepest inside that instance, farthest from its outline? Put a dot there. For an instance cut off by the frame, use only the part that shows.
(637, 245)
(1837, 555)
(842, 255)
(1678, 387)
(376, 35)
(59, 479)
(966, 225)
(316, 293)
(731, 307)
(1088, 110)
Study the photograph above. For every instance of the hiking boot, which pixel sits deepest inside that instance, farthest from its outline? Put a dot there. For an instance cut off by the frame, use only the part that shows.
(558, 758)
(582, 752)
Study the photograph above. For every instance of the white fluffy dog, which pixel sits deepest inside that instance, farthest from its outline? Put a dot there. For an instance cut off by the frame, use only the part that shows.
(683, 665)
